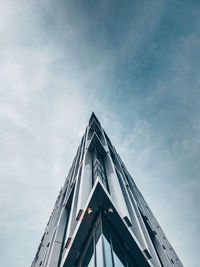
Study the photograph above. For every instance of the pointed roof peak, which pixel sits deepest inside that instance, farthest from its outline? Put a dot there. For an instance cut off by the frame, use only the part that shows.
(93, 117)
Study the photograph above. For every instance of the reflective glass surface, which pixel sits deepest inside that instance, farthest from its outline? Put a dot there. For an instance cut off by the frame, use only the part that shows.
(119, 257)
(99, 170)
(99, 248)
(107, 253)
(89, 257)
(99, 253)
(91, 263)
(117, 261)
(106, 249)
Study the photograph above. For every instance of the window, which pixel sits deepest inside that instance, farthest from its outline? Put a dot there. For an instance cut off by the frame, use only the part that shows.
(98, 246)
(96, 128)
(99, 168)
(104, 249)
(107, 252)
(89, 257)
(107, 247)
(117, 255)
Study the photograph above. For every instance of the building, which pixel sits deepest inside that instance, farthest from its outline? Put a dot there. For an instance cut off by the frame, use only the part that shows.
(100, 218)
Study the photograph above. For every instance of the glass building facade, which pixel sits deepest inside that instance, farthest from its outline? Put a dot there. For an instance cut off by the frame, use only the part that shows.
(104, 248)
(100, 218)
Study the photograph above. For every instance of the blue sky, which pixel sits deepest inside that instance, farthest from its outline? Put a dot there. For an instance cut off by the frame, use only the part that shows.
(136, 65)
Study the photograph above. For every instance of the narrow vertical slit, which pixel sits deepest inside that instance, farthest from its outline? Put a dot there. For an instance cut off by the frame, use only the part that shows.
(92, 168)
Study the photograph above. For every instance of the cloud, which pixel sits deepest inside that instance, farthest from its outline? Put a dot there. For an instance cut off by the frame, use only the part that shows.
(137, 70)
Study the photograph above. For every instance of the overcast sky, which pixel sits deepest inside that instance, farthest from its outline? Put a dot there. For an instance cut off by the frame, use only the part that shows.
(136, 65)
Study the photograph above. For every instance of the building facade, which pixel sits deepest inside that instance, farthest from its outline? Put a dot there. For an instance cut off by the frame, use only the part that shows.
(100, 218)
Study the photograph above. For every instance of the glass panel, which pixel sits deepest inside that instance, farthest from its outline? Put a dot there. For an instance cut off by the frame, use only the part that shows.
(130, 264)
(99, 248)
(97, 233)
(107, 247)
(117, 261)
(89, 257)
(99, 253)
(107, 253)
(91, 263)
(118, 255)
(98, 168)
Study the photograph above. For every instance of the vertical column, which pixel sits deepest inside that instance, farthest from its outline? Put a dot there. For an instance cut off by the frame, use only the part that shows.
(85, 181)
(115, 189)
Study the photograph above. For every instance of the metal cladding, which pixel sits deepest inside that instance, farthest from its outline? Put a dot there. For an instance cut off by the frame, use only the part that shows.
(99, 191)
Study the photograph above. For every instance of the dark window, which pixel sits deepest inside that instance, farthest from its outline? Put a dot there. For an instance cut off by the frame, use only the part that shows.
(99, 247)
(89, 257)
(104, 249)
(117, 254)
(99, 168)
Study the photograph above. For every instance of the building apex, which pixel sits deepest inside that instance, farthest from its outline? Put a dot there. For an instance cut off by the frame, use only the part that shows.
(93, 117)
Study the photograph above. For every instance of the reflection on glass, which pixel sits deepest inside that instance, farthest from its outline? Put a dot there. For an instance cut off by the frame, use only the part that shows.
(117, 261)
(91, 263)
(107, 253)
(99, 253)
(99, 248)
(97, 233)
(89, 257)
(106, 250)
(99, 169)
(118, 255)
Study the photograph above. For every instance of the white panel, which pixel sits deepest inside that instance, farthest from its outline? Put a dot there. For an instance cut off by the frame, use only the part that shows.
(85, 182)
(114, 187)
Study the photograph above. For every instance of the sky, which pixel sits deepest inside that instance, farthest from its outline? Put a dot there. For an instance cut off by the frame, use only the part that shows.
(136, 65)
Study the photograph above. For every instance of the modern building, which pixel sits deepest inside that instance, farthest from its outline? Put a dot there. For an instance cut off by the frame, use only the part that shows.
(100, 218)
